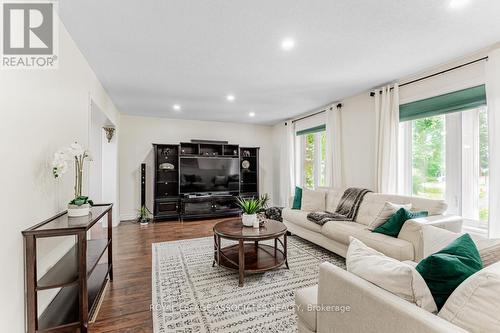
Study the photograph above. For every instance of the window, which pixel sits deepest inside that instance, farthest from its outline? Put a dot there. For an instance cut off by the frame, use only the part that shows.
(483, 167)
(445, 154)
(311, 146)
(428, 157)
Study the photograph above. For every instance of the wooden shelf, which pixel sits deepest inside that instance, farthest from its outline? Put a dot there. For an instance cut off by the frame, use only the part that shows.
(79, 275)
(62, 223)
(63, 310)
(65, 271)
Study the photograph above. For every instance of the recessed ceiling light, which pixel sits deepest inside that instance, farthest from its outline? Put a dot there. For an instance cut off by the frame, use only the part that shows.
(176, 107)
(458, 4)
(230, 98)
(251, 114)
(287, 44)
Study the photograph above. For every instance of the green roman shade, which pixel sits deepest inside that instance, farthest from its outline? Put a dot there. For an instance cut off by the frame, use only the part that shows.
(452, 102)
(315, 129)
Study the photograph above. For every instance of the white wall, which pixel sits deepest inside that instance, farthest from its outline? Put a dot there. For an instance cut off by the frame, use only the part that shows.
(139, 133)
(97, 120)
(110, 175)
(278, 136)
(41, 111)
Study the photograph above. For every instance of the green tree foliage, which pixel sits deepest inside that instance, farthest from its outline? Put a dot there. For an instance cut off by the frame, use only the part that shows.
(428, 154)
(483, 165)
(309, 161)
(483, 141)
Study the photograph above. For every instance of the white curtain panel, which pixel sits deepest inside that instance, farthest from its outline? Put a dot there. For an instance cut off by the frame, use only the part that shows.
(386, 141)
(334, 169)
(287, 163)
(493, 101)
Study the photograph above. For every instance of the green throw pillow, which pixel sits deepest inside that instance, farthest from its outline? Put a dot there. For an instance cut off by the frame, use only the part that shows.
(297, 199)
(445, 270)
(393, 225)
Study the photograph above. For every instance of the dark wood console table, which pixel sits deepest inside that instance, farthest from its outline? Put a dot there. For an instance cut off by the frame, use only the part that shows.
(81, 274)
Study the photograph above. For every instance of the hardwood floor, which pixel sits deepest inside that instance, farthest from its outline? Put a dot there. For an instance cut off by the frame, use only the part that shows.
(126, 303)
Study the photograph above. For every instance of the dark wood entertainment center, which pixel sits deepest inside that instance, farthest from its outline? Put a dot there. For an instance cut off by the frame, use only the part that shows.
(171, 203)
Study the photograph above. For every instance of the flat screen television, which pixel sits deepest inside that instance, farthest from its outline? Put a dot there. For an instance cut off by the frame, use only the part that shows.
(209, 174)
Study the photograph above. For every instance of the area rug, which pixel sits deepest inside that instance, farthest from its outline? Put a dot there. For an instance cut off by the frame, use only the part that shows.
(189, 295)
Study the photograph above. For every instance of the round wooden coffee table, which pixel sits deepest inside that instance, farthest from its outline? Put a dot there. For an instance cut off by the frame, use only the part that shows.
(248, 256)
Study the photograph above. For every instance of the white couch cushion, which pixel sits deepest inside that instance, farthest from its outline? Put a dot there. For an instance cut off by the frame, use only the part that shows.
(390, 274)
(396, 248)
(333, 197)
(385, 213)
(474, 304)
(313, 201)
(304, 298)
(489, 250)
(340, 231)
(373, 203)
(299, 217)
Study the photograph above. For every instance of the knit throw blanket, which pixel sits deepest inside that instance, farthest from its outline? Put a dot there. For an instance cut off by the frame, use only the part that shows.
(347, 208)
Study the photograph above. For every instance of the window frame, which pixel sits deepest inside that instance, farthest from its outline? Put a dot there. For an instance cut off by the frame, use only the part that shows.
(300, 159)
(461, 184)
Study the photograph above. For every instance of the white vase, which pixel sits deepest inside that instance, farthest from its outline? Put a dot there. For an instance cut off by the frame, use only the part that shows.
(77, 211)
(248, 219)
(256, 222)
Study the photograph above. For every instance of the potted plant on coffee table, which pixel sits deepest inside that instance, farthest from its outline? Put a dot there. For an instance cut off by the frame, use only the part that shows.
(250, 207)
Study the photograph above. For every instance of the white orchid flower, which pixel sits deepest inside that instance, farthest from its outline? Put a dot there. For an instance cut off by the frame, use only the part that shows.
(88, 155)
(59, 165)
(76, 154)
(76, 149)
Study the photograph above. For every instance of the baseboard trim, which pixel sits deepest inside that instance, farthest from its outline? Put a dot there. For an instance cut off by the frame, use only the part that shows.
(128, 217)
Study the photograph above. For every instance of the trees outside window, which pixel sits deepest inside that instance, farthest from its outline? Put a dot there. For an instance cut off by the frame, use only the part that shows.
(448, 155)
(313, 166)
(309, 160)
(428, 157)
(483, 166)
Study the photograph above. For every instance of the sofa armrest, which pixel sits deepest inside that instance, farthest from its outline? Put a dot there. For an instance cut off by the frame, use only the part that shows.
(369, 308)
(412, 230)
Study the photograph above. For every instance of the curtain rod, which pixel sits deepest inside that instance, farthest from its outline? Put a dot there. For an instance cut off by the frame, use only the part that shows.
(438, 73)
(313, 114)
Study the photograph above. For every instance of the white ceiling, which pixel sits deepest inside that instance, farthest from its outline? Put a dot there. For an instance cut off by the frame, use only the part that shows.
(150, 54)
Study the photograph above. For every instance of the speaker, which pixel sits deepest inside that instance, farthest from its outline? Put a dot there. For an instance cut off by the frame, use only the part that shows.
(143, 184)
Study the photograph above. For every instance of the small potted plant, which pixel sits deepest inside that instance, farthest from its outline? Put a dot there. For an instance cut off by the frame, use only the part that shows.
(250, 207)
(80, 205)
(144, 214)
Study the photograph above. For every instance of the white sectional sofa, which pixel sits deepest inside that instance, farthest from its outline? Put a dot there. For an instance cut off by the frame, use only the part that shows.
(370, 308)
(334, 235)
(344, 302)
